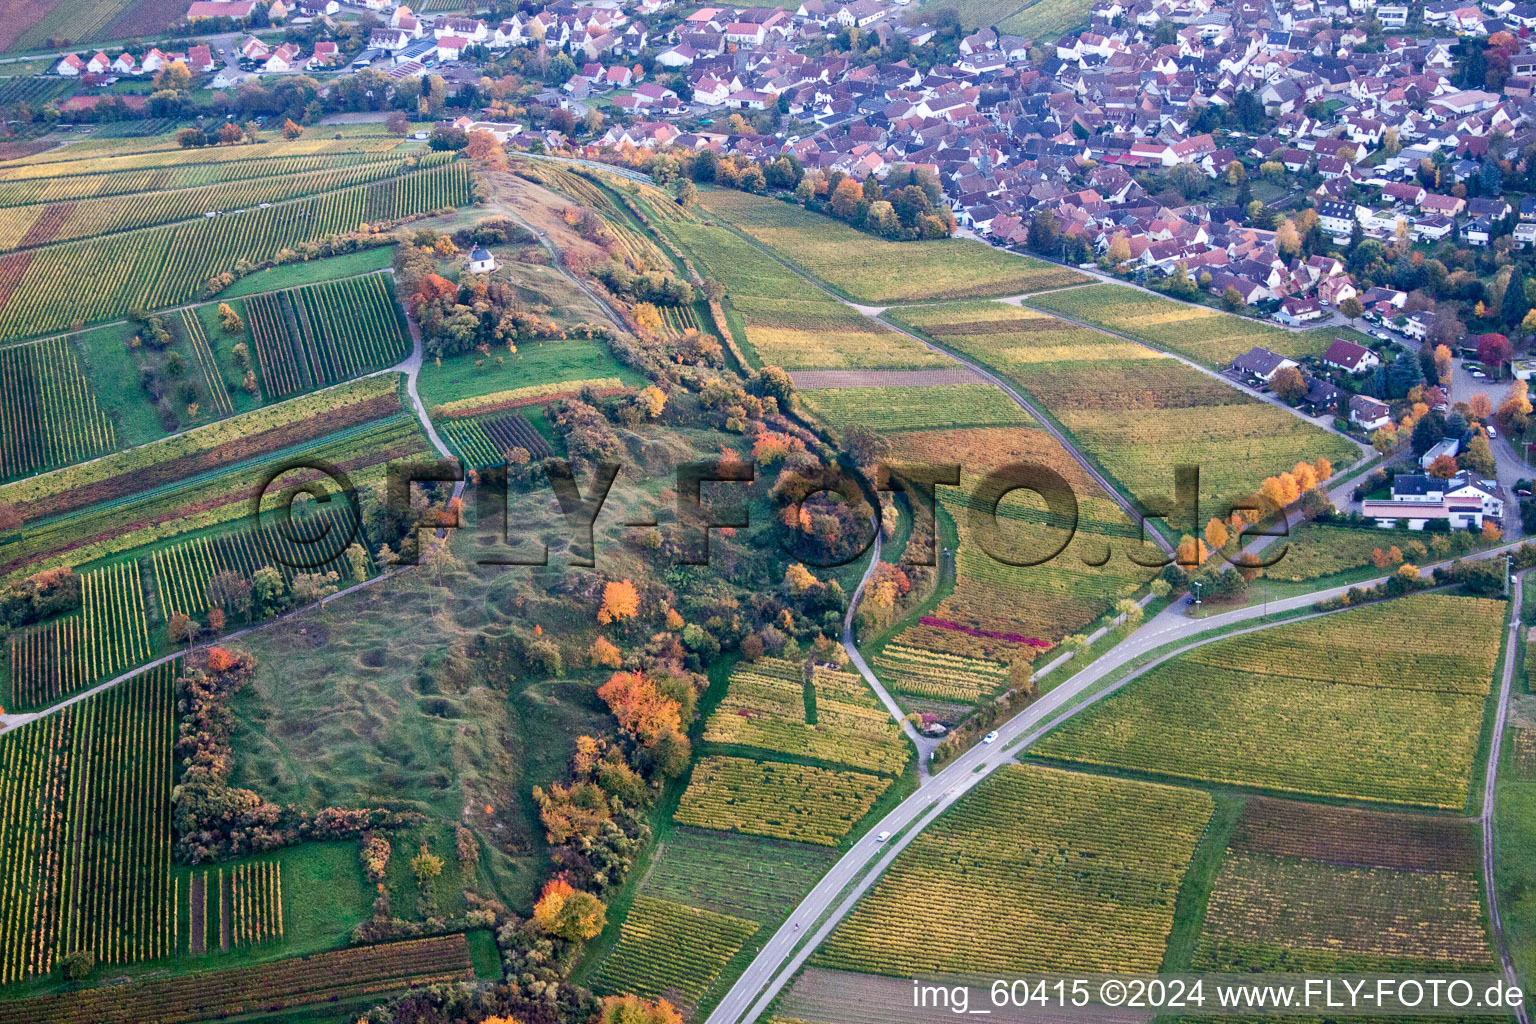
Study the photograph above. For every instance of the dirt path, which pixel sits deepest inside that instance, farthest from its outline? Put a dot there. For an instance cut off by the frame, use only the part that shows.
(1490, 793)
(197, 935)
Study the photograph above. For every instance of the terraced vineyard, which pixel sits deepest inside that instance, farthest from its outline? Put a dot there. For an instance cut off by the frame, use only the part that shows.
(1203, 334)
(668, 950)
(188, 506)
(1307, 888)
(878, 271)
(1059, 871)
(1134, 412)
(998, 611)
(107, 636)
(938, 675)
(85, 797)
(749, 877)
(271, 987)
(207, 364)
(1326, 707)
(42, 223)
(782, 801)
(915, 408)
(48, 411)
(487, 442)
(765, 707)
(786, 322)
(182, 571)
(159, 267)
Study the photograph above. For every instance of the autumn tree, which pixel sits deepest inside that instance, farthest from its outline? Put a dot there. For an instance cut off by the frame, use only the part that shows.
(1129, 609)
(1478, 456)
(1191, 552)
(1493, 351)
(230, 320)
(1352, 309)
(643, 711)
(1444, 367)
(634, 1010)
(291, 130)
(1289, 384)
(1480, 407)
(569, 913)
(426, 866)
(1216, 534)
(605, 654)
(1443, 468)
(620, 601)
(1287, 238)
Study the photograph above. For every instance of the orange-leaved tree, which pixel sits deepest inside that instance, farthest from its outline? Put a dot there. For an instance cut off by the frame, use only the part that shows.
(643, 711)
(620, 601)
(634, 1010)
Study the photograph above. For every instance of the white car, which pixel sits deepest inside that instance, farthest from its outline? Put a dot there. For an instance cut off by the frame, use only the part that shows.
(882, 837)
(1493, 432)
(1479, 374)
(990, 737)
(1383, 335)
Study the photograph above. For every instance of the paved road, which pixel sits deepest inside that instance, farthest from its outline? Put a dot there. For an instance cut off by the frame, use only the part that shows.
(778, 960)
(1490, 788)
(924, 744)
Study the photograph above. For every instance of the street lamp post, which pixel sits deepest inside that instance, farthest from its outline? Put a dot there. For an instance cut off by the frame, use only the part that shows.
(1197, 584)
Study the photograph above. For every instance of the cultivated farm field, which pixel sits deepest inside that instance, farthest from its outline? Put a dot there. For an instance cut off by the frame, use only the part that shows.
(749, 876)
(1045, 19)
(1306, 888)
(670, 951)
(48, 411)
(840, 721)
(877, 271)
(86, 797)
(1206, 335)
(1036, 869)
(1324, 707)
(778, 800)
(920, 407)
(787, 322)
(1136, 413)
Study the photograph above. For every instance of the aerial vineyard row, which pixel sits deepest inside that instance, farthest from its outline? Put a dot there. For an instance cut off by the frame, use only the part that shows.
(301, 981)
(48, 412)
(235, 908)
(181, 508)
(109, 635)
(491, 441)
(782, 801)
(1061, 872)
(207, 364)
(158, 267)
(182, 571)
(85, 797)
(1276, 710)
(25, 226)
(186, 176)
(770, 713)
(112, 155)
(668, 950)
(938, 675)
(322, 333)
(209, 447)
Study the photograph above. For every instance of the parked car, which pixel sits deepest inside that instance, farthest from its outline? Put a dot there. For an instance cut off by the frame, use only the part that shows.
(1493, 432)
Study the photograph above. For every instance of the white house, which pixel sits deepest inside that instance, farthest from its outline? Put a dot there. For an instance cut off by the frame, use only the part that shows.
(71, 66)
(481, 261)
(1368, 413)
(1463, 501)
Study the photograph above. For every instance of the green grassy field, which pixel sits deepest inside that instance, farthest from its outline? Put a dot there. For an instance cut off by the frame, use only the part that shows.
(1045, 19)
(877, 271)
(537, 362)
(292, 275)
